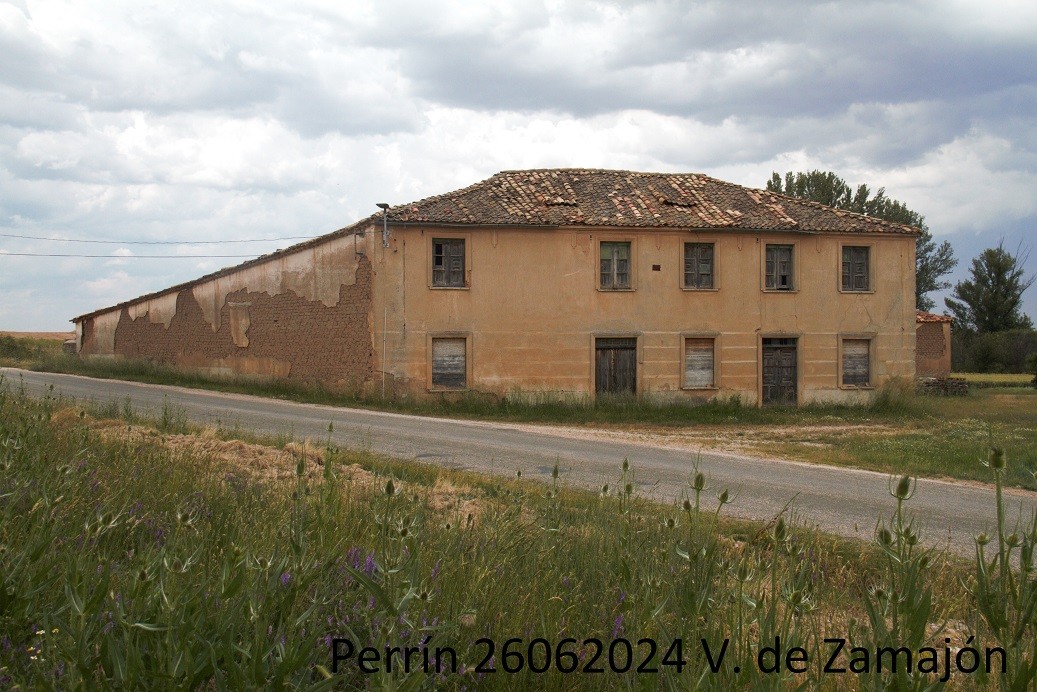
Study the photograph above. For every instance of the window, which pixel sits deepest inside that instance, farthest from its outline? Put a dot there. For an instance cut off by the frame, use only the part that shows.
(698, 364)
(698, 265)
(779, 268)
(449, 363)
(855, 268)
(615, 265)
(448, 262)
(856, 362)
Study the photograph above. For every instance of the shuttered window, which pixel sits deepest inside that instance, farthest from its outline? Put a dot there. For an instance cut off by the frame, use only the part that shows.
(698, 363)
(448, 262)
(779, 268)
(856, 362)
(855, 269)
(449, 365)
(615, 266)
(698, 265)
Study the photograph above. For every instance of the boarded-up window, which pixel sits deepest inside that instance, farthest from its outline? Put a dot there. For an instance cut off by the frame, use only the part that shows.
(698, 363)
(856, 362)
(779, 267)
(698, 265)
(615, 265)
(449, 366)
(855, 269)
(448, 262)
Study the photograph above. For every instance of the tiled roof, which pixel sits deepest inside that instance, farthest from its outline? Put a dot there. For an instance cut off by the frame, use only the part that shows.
(930, 317)
(588, 197)
(591, 197)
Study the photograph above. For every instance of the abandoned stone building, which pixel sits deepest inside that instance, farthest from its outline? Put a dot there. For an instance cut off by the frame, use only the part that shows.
(556, 283)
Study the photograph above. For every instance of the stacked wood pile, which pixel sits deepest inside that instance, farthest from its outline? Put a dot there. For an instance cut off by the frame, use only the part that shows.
(943, 386)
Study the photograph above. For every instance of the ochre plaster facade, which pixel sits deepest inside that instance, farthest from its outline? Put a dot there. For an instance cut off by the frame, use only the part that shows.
(348, 313)
(532, 308)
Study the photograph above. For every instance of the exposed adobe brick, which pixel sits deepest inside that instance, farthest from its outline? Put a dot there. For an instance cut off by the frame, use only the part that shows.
(327, 345)
(930, 343)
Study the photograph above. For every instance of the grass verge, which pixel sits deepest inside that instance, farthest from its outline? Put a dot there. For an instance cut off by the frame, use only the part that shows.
(138, 554)
(899, 434)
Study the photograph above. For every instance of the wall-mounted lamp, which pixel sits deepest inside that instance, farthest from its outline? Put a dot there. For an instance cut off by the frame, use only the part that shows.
(385, 223)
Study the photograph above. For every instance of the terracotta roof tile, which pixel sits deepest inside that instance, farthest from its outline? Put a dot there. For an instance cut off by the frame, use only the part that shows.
(930, 317)
(593, 197)
(590, 197)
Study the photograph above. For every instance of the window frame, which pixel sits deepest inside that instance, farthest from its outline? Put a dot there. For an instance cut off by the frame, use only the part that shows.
(631, 271)
(432, 337)
(869, 268)
(712, 264)
(448, 281)
(841, 363)
(793, 286)
(683, 351)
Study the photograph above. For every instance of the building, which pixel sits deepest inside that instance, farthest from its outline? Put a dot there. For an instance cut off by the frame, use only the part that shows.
(933, 345)
(557, 283)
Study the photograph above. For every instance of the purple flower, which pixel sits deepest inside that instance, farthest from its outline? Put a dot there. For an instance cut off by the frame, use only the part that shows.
(369, 564)
(616, 628)
(286, 578)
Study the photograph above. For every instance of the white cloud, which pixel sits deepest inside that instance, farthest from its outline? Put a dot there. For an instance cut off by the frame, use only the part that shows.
(231, 120)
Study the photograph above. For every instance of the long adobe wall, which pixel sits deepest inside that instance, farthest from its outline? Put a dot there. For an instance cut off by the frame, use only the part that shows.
(304, 317)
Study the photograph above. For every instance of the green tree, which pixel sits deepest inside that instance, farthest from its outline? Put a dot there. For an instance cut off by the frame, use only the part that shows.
(932, 261)
(991, 300)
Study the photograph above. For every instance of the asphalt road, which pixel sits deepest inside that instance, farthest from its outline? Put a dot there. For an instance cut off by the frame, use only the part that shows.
(842, 501)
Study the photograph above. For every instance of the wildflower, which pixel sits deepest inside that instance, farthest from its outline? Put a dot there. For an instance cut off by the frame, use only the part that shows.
(286, 578)
(617, 627)
(996, 458)
(903, 491)
(390, 488)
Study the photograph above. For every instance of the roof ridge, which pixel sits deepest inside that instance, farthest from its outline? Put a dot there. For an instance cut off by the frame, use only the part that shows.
(812, 203)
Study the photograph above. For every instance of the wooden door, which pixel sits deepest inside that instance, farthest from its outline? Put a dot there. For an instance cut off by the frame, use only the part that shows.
(615, 366)
(779, 372)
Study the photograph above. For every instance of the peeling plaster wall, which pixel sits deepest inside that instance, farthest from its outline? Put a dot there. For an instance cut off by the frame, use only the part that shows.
(314, 274)
(159, 310)
(99, 334)
(304, 317)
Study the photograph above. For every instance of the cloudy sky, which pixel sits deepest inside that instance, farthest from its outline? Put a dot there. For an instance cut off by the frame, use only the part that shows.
(222, 121)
